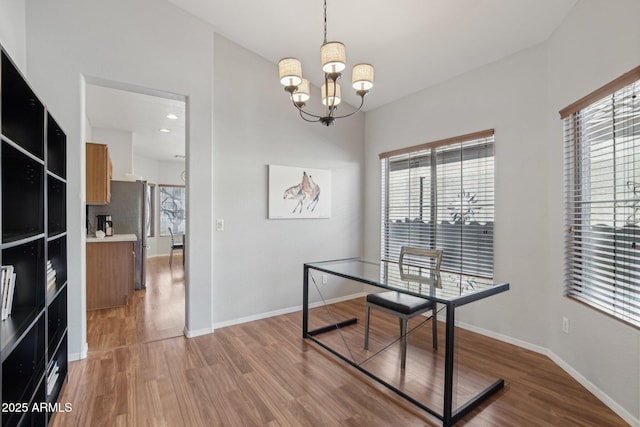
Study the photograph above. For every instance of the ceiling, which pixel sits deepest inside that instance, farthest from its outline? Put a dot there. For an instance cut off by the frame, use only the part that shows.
(413, 44)
(143, 115)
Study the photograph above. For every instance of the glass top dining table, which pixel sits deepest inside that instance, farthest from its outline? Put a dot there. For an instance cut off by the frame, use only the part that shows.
(446, 288)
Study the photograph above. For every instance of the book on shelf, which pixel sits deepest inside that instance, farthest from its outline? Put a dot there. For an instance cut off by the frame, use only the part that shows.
(3, 283)
(51, 276)
(52, 384)
(52, 369)
(52, 376)
(51, 283)
(8, 288)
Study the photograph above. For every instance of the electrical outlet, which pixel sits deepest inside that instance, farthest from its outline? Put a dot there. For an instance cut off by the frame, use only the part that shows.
(324, 279)
(220, 225)
(565, 325)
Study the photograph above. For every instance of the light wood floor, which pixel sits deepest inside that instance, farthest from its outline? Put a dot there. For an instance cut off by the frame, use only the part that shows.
(152, 314)
(263, 373)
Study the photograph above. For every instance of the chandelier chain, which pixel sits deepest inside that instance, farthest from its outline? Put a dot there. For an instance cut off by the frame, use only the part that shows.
(325, 21)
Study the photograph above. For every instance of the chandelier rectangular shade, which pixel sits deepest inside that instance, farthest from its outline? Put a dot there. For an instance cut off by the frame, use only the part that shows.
(302, 94)
(290, 71)
(331, 94)
(362, 77)
(333, 57)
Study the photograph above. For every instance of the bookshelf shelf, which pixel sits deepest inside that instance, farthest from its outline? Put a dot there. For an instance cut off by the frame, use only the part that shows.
(13, 329)
(33, 198)
(57, 254)
(22, 111)
(22, 191)
(56, 206)
(57, 321)
(56, 148)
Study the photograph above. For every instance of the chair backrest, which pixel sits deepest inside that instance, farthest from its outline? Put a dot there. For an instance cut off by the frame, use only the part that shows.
(427, 259)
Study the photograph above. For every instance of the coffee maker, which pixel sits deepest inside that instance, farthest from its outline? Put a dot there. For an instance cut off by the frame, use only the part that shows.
(105, 224)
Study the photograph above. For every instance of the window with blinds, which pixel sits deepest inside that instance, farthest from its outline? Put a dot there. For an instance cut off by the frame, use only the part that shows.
(602, 190)
(440, 195)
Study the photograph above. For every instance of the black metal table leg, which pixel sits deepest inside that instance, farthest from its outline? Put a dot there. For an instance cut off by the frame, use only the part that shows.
(448, 366)
(305, 302)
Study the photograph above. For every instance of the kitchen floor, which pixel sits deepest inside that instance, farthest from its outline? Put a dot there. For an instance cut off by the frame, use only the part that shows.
(153, 314)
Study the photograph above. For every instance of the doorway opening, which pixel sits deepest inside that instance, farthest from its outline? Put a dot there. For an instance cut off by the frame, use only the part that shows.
(145, 131)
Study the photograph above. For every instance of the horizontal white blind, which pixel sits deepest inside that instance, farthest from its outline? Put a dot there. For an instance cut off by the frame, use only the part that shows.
(602, 215)
(441, 197)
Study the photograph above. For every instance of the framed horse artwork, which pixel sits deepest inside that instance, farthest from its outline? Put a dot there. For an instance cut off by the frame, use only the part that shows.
(296, 192)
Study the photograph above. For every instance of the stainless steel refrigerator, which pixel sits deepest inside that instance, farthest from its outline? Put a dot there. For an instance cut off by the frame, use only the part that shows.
(128, 210)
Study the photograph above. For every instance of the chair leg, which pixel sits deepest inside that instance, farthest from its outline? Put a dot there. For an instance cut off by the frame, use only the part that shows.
(170, 257)
(403, 342)
(366, 327)
(434, 333)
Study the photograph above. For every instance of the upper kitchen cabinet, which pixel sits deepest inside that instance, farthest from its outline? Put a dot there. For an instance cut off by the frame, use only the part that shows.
(98, 174)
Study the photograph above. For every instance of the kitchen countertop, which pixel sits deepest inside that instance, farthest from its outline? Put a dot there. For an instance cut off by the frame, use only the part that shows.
(114, 238)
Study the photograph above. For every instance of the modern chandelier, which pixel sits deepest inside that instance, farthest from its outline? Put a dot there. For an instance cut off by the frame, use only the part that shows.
(333, 58)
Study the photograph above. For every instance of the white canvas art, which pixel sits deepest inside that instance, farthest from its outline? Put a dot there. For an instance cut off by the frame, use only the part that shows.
(296, 192)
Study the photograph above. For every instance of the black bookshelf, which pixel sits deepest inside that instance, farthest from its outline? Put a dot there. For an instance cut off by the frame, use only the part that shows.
(33, 193)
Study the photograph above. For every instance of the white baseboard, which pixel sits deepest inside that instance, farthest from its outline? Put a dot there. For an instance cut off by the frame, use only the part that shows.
(72, 357)
(623, 413)
(253, 317)
(503, 338)
(283, 311)
(157, 255)
(601, 395)
(196, 333)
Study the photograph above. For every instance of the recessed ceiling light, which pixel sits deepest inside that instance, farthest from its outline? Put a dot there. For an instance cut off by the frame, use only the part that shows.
(172, 116)
(165, 130)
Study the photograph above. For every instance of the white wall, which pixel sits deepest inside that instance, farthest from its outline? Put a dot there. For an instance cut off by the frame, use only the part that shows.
(520, 97)
(147, 44)
(586, 52)
(505, 96)
(259, 261)
(147, 168)
(255, 265)
(120, 144)
(158, 172)
(170, 173)
(13, 31)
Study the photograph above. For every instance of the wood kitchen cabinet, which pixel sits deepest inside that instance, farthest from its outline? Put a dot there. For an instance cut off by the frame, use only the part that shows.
(98, 174)
(110, 273)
